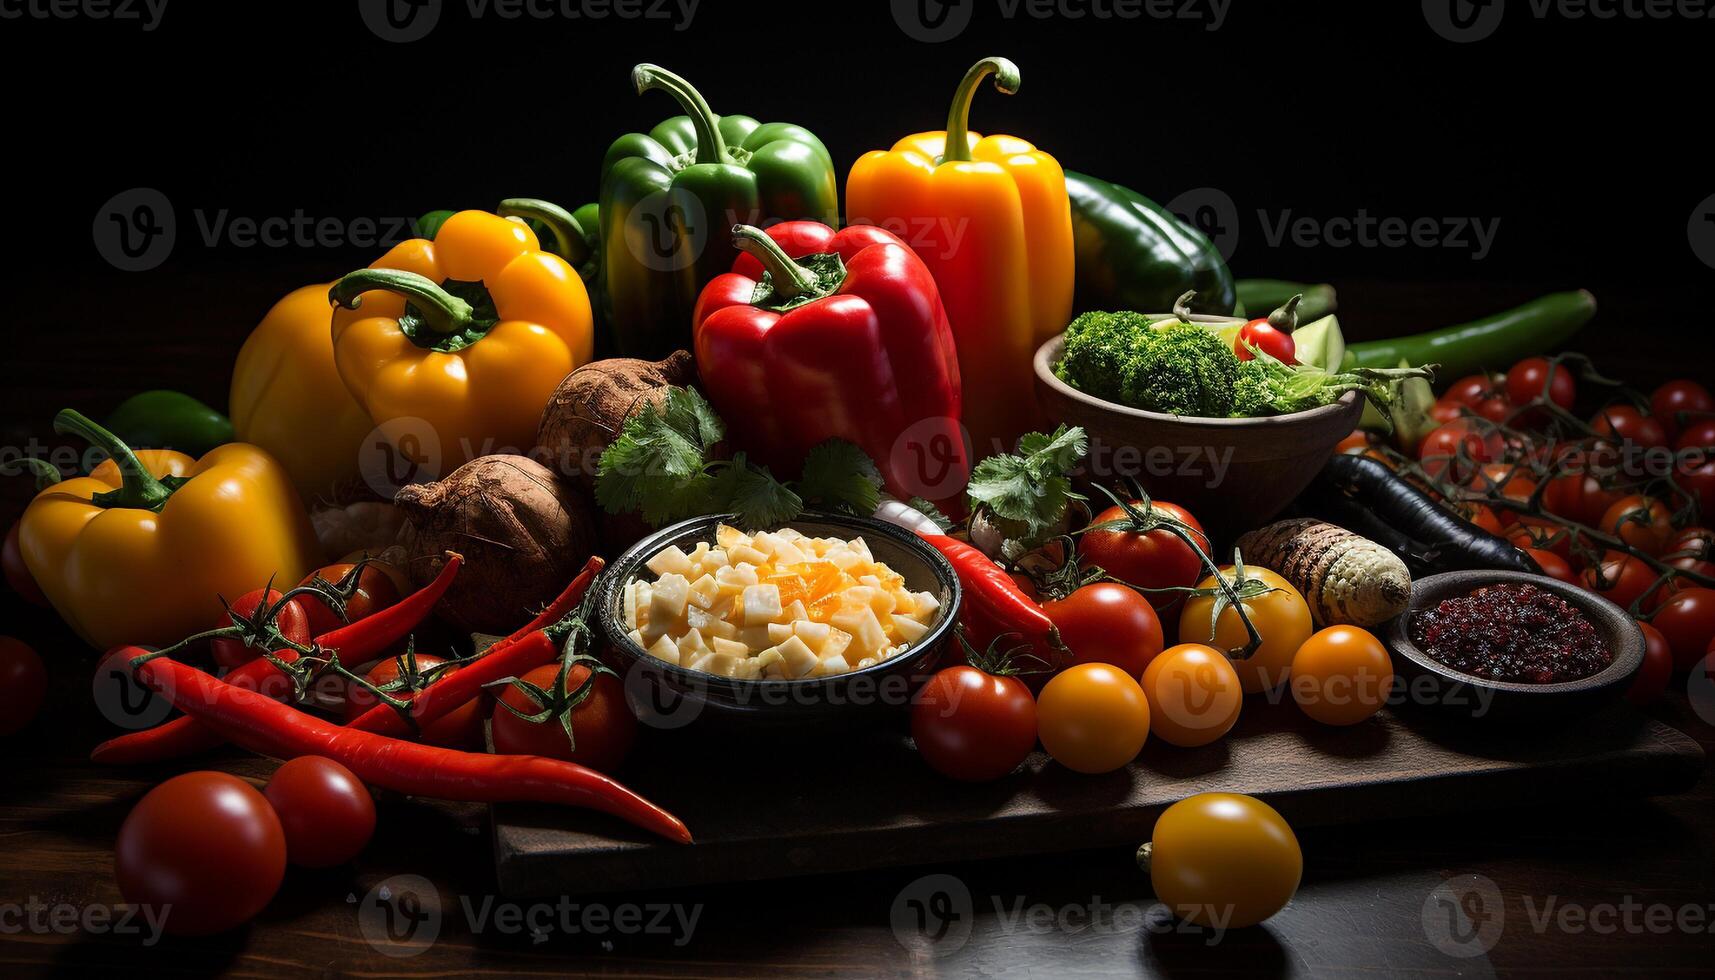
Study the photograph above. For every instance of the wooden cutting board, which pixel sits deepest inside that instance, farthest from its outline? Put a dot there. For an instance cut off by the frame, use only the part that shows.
(777, 809)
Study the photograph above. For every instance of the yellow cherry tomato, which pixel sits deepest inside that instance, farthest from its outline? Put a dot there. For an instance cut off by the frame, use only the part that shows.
(1279, 614)
(1341, 676)
(1223, 861)
(1092, 718)
(1194, 695)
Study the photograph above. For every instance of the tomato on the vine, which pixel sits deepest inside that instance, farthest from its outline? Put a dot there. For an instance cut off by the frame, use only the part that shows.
(1194, 695)
(1579, 497)
(1158, 559)
(973, 725)
(292, 622)
(1507, 481)
(1627, 423)
(1551, 564)
(1357, 442)
(23, 684)
(1640, 521)
(1699, 482)
(1445, 410)
(1535, 377)
(1696, 540)
(1680, 395)
(1223, 860)
(1465, 440)
(1619, 577)
(603, 726)
(1092, 718)
(460, 728)
(1473, 388)
(325, 811)
(1698, 434)
(1650, 682)
(1107, 623)
(1279, 614)
(1480, 515)
(206, 847)
(1687, 620)
(1534, 532)
(375, 591)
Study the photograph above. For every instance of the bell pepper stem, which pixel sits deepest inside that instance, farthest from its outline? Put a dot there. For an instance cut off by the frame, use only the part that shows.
(1285, 319)
(558, 220)
(443, 312)
(791, 280)
(1006, 81)
(711, 148)
(140, 490)
(46, 473)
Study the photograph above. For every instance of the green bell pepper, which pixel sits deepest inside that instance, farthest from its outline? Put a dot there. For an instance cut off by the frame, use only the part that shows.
(1134, 254)
(162, 419)
(670, 197)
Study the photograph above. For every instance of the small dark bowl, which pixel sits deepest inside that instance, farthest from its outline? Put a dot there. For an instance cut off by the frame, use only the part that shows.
(1431, 682)
(663, 695)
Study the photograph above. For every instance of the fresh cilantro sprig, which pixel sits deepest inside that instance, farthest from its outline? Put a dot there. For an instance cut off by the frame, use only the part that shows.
(1027, 493)
(662, 467)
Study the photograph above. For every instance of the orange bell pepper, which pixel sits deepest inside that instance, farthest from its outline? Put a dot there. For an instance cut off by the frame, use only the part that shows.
(990, 217)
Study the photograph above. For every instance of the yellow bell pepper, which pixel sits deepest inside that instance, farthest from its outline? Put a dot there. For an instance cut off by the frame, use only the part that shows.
(287, 396)
(990, 217)
(470, 333)
(143, 549)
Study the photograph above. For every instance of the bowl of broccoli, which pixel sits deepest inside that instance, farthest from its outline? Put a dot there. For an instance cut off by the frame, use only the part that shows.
(1235, 441)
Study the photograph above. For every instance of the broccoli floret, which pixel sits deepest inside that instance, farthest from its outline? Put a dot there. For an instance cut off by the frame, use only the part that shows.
(1182, 370)
(1254, 391)
(1098, 348)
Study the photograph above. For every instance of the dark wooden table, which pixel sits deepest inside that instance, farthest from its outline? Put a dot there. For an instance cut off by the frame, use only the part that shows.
(1373, 902)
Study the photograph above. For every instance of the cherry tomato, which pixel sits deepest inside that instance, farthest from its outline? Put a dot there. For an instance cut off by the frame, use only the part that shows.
(23, 684)
(1223, 860)
(325, 811)
(1552, 565)
(1642, 522)
(603, 727)
(1687, 620)
(1194, 695)
(1650, 682)
(1619, 578)
(1280, 616)
(1697, 434)
(1341, 675)
(1532, 377)
(1108, 623)
(1452, 443)
(1627, 423)
(1092, 718)
(18, 577)
(460, 728)
(1480, 515)
(1679, 395)
(972, 725)
(1357, 442)
(1157, 560)
(1472, 389)
(206, 848)
(1445, 410)
(1697, 541)
(375, 592)
(1263, 336)
(1699, 482)
(1496, 409)
(1543, 535)
(1579, 497)
(292, 621)
(1505, 480)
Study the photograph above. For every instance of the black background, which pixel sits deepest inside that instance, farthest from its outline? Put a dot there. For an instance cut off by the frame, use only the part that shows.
(1580, 136)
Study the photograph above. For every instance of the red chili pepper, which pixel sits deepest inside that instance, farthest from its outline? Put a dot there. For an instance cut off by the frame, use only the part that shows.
(512, 657)
(355, 642)
(270, 728)
(995, 605)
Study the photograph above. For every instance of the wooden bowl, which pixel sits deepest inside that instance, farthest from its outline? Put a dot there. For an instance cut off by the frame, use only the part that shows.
(1431, 683)
(1231, 474)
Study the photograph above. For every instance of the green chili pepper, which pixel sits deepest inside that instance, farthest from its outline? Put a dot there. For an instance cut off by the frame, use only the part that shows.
(1133, 254)
(162, 419)
(668, 198)
(1492, 343)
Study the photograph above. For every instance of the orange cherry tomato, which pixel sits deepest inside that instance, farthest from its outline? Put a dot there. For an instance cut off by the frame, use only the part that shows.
(1194, 695)
(1341, 675)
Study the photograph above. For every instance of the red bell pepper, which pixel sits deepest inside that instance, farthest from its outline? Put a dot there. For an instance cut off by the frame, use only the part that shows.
(849, 341)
